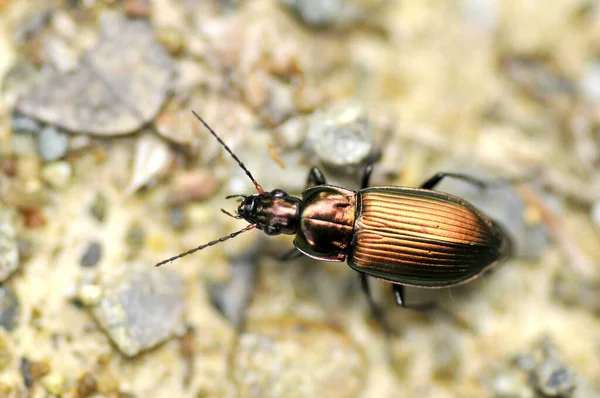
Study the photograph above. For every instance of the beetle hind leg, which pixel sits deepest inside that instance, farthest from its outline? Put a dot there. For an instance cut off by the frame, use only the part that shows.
(291, 255)
(438, 177)
(376, 310)
(399, 295)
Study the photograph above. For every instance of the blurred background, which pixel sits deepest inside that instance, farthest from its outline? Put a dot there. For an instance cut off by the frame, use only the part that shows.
(104, 172)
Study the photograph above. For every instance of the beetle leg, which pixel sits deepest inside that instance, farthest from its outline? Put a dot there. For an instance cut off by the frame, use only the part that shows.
(375, 309)
(367, 175)
(433, 181)
(291, 255)
(399, 296)
(315, 177)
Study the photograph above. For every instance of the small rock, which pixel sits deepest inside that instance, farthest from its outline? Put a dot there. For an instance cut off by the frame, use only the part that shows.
(298, 359)
(86, 385)
(9, 252)
(182, 128)
(54, 383)
(590, 84)
(57, 174)
(9, 307)
(33, 218)
(141, 309)
(552, 379)
(90, 295)
(92, 255)
(171, 39)
(323, 13)
(192, 185)
(232, 299)
(152, 159)
(596, 214)
(508, 384)
(136, 236)
(52, 144)
(341, 135)
(574, 289)
(99, 207)
(177, 218)
(119, 86)
(23, 124)
(137, 8)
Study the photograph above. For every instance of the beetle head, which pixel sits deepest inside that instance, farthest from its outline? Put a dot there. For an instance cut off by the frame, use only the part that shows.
(273, 212)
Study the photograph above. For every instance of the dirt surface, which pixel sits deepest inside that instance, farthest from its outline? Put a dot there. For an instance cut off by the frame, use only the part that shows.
(104, 172)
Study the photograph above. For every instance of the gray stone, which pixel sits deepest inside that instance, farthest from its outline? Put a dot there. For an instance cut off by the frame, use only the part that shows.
(92, 255)
(9, 308)
(119, 85)
(9, 251)
(52, 144)
(141, 309)
(341, 135)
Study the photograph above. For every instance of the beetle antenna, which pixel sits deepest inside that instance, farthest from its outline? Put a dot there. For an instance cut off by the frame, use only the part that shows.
(256, 184)
(204, 246)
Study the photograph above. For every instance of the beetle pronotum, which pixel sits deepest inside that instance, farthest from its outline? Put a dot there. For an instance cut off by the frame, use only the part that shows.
(407, 236)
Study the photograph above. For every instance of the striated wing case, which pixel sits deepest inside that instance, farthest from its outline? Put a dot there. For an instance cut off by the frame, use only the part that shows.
(423, 238)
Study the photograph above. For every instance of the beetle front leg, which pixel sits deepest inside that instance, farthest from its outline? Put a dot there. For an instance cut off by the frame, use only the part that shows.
(315, 177)
(376, 310)
(437, 178)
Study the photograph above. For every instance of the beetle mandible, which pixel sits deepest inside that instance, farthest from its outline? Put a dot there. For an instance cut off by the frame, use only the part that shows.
(407, 236)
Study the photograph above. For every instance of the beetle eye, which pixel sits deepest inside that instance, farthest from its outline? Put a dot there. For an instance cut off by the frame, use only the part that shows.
(279, 193)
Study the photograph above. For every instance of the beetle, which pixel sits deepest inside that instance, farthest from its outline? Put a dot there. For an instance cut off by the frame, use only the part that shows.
(407, 236)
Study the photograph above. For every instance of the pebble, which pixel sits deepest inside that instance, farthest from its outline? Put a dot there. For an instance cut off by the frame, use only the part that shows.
(99, 207)
(573, 289)
(323, 13)
(233, 298)
(87, 385)
(118, 66)
(299, 359)
(590, 83)
(191, 186)
(90, 295)
(151, 160)
(135, 237)
(9, 308)
(171, 39)
(9, 251)
(23, 124)
(141, 309)
(137, 8)
(54, 383)
(57, 174)
(553, 379)
(52, 144)
(341, 135)
(92, 255)
(595, 214)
